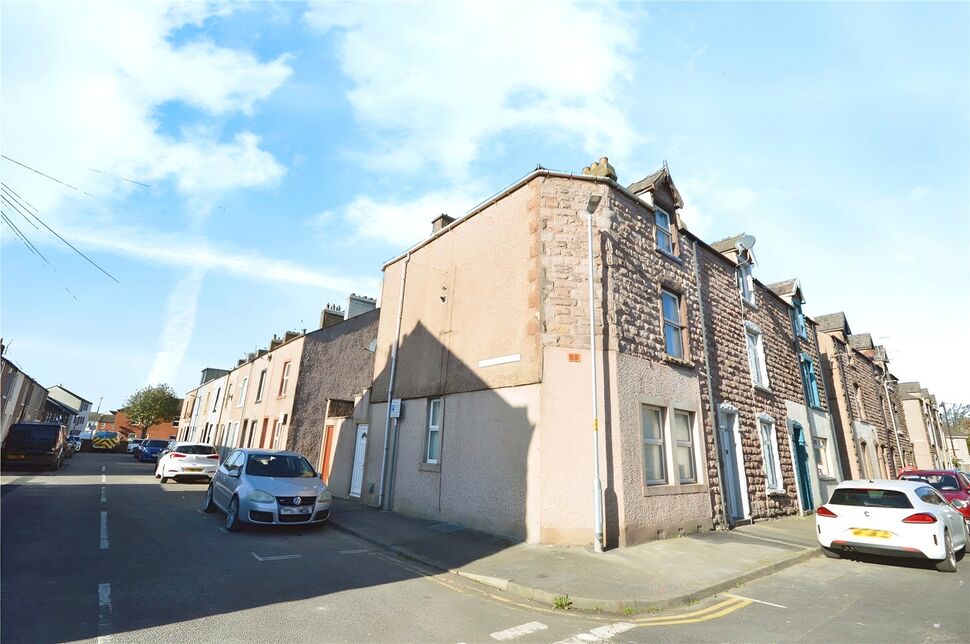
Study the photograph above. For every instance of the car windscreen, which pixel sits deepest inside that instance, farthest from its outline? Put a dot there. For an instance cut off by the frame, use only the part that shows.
(32, 434)
(106, 435)
(279, 465)
(868, 498)
(155, 443)
(195, 449)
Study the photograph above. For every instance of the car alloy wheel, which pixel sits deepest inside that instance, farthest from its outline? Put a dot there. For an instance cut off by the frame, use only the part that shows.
(208, 505)
(232, 516)
(949, 564)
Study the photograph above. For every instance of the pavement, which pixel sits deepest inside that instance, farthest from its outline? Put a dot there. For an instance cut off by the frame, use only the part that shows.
(648, 577)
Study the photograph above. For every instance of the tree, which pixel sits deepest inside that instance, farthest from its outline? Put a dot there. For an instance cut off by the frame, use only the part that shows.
(150, 406)
(957, 417)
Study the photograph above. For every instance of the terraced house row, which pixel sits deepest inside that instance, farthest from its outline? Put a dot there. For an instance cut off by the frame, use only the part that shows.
(568, 362)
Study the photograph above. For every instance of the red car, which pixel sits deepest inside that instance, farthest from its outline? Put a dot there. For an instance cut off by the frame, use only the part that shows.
(952, 484)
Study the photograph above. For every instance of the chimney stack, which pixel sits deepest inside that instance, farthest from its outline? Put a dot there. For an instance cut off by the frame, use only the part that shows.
(330, 315)
(357, 304)
(440, 222)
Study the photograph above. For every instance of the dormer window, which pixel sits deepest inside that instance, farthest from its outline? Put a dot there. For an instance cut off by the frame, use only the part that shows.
(665, 235)
(798, 318)
(745, 277)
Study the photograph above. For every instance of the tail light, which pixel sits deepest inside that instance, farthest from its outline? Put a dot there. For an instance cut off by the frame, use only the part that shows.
(825, 512)
(920, 517)
(215, 456)
(177, 455)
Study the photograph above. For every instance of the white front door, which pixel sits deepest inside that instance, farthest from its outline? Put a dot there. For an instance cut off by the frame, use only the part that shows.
(357, 480)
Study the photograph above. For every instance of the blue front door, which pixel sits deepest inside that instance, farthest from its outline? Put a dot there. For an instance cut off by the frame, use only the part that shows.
(801, 467)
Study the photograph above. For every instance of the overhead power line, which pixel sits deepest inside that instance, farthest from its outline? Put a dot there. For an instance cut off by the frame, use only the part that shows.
(22, 236)
(70, 245)
(108, 174)
(43, 174)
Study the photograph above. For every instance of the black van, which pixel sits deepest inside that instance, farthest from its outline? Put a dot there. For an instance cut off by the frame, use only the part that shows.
(35, 443)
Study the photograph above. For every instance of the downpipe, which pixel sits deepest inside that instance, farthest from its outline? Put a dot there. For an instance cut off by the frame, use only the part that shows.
(390, 382)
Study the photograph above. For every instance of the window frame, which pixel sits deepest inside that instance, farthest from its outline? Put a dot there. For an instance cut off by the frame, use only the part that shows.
(798, 318)
(770, 460)
(667, 231)
(757, 361)
(284, 379)
(809, 380)
(215, 403)
(433, 429)
(243, 390)
(679, 444)
(262, 385)
(654, 442)
(860, 402)
(680, 325)
(820, 446)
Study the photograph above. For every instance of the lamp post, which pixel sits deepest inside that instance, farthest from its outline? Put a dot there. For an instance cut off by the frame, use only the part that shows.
(591, 205)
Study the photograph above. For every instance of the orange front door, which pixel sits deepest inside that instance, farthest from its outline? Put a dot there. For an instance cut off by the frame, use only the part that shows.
(327, 444)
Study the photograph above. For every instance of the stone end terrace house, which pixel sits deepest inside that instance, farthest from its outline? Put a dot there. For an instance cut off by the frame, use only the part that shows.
(869, 418)
(493, 371)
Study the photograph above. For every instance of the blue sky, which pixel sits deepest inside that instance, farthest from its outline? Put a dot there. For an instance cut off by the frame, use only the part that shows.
(289, 149)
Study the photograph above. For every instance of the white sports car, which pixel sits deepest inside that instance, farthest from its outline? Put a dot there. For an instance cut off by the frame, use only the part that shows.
(187, 460)
(895, 518)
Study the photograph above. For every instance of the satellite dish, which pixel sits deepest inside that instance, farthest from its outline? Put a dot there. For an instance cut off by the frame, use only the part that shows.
(746, 242)
(372, 347)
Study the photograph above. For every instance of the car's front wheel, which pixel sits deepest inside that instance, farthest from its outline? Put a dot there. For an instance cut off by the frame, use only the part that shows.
(233, 524)
(949, 564)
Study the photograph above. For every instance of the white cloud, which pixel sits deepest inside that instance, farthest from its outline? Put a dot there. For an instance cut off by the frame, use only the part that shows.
(82, 83)
(402, 223)
(433, 94)
(180, 313)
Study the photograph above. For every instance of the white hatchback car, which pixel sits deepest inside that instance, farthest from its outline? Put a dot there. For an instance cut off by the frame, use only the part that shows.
(895, 518)
(187, 460)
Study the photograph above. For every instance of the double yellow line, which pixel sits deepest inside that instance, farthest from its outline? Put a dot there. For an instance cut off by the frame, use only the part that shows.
(714, 611)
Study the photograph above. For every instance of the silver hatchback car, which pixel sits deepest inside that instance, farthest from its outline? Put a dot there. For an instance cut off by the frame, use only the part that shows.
(267, 487)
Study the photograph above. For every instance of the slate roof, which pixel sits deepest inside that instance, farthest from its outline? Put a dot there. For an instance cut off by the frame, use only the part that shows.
(861, 341)
(784, 288)
(832, 322)
(651, 180)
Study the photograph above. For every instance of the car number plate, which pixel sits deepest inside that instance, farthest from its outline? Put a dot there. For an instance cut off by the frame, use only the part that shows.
(15, 457)
(298, 510)
(865, 532)
(191, 469)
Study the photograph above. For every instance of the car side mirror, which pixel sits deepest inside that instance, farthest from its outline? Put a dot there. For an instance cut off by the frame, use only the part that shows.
(233, 473)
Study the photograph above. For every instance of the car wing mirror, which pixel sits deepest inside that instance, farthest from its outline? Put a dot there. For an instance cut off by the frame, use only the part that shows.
(233, 473)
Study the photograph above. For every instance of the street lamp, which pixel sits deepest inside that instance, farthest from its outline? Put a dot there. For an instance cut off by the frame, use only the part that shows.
(591, 206)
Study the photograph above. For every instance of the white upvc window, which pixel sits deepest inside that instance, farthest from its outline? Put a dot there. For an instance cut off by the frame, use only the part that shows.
(276, 434)
(684, 436)
(769, 452)
(432, 453)
(654, 453)
(215, 403)
(860, 402)
(242, 392)
(261, 385)
(756, 355)
(820, 445)
(285, 379)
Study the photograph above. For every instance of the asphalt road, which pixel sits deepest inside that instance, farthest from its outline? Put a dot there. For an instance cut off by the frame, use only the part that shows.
(114, 556)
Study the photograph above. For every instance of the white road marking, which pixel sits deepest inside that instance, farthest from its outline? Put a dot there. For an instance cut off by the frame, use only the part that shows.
(104, 499)
(518, 631)
(104, 612)
(787, 543)
(757, 601)
(354, 552)
(104, 479)
(104, 468)
(276, 558)
(600, 634)
(104, 530)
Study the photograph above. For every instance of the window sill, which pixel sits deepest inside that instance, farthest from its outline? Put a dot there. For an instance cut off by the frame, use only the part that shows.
(817, 408)
(678, 362)
(777, 493)
(429, 467)
(671, 490)
(763, 389)
(670, 256)
(826, 477)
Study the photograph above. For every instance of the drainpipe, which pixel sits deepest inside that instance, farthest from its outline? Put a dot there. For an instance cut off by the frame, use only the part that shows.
(715, 431)
(892, 415)
(390, 381)
(591, 206)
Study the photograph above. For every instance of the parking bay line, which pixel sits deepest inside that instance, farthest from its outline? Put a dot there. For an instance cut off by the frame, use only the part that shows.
(757, 601)
(275, 558)
(104, 499)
